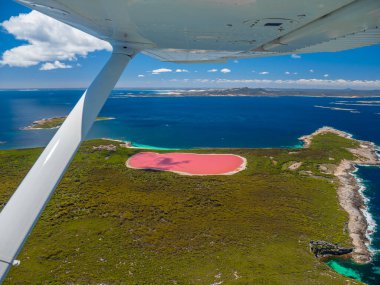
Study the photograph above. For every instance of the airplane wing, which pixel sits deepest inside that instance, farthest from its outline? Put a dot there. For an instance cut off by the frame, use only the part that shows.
(177, 31)
(217, 30)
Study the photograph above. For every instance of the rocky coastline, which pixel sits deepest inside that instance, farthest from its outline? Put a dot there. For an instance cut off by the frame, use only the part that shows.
(349, 194)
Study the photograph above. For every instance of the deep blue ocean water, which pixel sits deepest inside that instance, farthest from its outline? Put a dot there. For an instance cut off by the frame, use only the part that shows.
(368, 273)
(191, 122)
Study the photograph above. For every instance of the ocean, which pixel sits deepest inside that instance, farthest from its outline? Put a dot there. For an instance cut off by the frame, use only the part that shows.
(150, 118)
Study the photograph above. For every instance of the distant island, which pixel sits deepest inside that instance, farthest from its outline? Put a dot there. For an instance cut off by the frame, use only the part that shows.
(246, 91)
(54, 123)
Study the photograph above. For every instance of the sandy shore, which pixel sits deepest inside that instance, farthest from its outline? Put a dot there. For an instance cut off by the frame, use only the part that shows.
(350, 197)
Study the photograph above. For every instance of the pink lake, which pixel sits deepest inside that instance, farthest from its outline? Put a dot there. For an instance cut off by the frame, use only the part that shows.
(188, 163)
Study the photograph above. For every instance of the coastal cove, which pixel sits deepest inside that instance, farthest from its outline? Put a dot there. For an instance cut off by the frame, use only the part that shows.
(233, 122)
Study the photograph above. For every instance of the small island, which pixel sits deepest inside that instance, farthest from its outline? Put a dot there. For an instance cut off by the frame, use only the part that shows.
(54, 123)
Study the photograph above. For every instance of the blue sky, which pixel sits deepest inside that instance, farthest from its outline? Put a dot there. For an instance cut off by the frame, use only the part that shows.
(31, 67)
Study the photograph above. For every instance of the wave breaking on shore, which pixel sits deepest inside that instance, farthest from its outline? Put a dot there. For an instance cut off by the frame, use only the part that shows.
(361, 224)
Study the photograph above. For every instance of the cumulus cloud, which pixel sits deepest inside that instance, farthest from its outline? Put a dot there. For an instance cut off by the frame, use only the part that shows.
(54, 65)
(47, 41)
(264, 72)
(287, 72)
(161, 70)
(225, 70)
(204, 80)
(141, 76)
(295, 56)
(326, 75)
(181, 70)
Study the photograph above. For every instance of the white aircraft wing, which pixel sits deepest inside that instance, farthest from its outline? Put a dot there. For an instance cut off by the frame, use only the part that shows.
(177, 31)
(216, 30)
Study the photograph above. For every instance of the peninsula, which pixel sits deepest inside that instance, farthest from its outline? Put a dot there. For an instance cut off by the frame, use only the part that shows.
(350, 198)
(268, 224)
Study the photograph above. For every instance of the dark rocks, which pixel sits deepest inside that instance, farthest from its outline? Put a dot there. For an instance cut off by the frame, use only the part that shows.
(324, 249)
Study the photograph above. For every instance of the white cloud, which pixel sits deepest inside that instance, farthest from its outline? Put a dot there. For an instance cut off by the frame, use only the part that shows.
(295, 56)
(54, 65)
(236, 61)
(141, 76)
(181, 70)
(287, 72)
(264, 72)
(225, 70)
(326, 75)
(311, 70)
(161, 70)
(48, 40)
(202, 80)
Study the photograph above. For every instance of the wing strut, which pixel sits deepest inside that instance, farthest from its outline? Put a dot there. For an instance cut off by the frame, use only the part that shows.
(22, 211)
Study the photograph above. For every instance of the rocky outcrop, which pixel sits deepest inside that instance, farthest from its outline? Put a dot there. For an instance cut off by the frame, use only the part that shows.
(109, 147)
(322, 248)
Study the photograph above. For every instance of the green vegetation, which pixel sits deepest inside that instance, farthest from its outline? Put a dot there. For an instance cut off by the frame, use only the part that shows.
(56, 122)
(107, 224)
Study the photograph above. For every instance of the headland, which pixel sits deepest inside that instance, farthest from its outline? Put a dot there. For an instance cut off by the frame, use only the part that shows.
(350, 197)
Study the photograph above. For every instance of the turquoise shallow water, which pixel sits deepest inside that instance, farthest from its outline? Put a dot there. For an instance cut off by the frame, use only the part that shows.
(346, 271)
(193, 122)
(144, 146)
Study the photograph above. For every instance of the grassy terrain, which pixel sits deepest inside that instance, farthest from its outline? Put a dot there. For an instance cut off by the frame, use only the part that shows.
(107, 224)
(56, 122)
